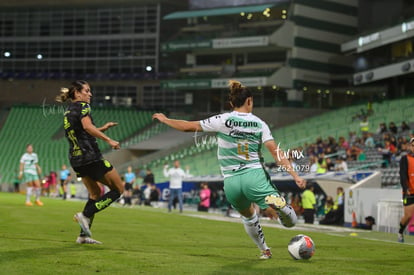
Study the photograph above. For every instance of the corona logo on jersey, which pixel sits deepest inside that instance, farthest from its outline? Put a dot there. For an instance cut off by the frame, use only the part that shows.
(230, 123)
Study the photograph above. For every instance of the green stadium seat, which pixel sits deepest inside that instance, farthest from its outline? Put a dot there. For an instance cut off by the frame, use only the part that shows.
(28, 124)
(334, 123)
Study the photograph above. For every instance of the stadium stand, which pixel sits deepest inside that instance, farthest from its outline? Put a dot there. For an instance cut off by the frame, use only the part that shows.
(43, 128)
(136, 127)
(202, 157)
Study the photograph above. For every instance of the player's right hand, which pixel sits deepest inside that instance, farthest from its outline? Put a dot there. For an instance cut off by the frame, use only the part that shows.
(301, 183)
(160, 116)
(114, 144)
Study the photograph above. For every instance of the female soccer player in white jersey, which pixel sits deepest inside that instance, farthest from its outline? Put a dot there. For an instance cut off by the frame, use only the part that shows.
(30, 172)
(240, 135)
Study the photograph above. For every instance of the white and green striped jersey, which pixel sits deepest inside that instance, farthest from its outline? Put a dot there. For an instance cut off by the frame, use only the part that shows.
(239, 137)
(29, 161)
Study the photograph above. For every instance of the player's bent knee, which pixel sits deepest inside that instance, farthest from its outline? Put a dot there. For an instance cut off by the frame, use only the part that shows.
(119, 189)
(94, 192)
(95, 195)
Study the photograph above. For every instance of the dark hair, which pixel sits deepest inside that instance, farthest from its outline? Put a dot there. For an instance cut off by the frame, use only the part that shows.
(309, 185)
(370, 219)
(66, 93)
(238, 93)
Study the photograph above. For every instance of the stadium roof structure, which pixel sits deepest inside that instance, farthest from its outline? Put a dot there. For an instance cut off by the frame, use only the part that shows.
(219, 11)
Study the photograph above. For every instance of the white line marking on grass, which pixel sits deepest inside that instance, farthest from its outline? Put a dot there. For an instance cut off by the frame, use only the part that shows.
(330, 230)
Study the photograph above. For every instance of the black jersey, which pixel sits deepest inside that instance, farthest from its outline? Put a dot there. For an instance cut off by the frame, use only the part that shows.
(83, 148)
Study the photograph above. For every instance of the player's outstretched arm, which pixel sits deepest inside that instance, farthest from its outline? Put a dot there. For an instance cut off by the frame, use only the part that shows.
(181, 125)
(93, 131)
(280, 159)
(107, 125)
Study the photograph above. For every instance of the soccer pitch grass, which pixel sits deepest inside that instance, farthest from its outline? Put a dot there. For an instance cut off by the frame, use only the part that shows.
(145, 240)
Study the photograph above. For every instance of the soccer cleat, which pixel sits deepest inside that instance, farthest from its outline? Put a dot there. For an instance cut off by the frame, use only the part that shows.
(87, 240)
(28, 203)
(276, 202)
(39, 203)
(83, 223)
(266, 254)
(400, 238)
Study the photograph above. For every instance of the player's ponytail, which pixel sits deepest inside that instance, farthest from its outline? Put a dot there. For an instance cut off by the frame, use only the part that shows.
(63, 96)
(66, 94)
(238, 93)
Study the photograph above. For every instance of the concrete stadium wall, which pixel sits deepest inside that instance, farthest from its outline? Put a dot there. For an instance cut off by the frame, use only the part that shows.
(119, 157)
(385, 205)
(367, 198)
(40, 92)
(330, 186)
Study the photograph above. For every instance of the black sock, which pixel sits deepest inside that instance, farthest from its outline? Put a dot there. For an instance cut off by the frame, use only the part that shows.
(101, 204)
(402, 228)
(90, 203)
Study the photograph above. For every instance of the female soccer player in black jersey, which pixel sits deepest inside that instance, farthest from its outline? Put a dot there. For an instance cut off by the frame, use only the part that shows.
(85, 156)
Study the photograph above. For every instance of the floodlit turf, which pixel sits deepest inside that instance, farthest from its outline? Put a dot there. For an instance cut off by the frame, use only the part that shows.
(144, 240)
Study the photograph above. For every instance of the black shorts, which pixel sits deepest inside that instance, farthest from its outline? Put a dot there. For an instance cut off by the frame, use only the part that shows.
(408, 200)
(128, 186)
(95, 170)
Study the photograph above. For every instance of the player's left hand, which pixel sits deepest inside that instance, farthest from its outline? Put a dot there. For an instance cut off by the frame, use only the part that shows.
(110, 124)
